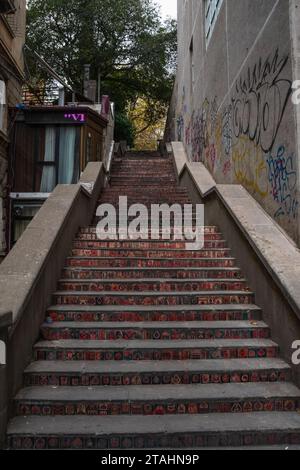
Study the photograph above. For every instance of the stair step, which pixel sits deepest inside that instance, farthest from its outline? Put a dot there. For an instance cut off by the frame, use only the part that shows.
(148, 182)
(184, 431)
(153, 313)
(155, 400)
(127, 350)
(150, 263)
(154, 330)
(151, 254)
(156, 285)
(207, 230)
(147, 273)
(173, 247)
(140, 174)
(147, 202)
(138, 195)
(92, 373)
(92, 237)
(153, 298)
(160, 190)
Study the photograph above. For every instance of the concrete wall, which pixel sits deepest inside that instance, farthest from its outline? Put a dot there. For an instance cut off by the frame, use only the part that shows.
(29, 275)
(234, 110)
(269, 260)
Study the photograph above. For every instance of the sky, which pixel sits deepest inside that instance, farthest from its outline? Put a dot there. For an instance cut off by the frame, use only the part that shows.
(168, 8)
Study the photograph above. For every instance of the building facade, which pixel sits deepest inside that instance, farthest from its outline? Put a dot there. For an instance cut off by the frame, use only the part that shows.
(12, 38)
(232, 105)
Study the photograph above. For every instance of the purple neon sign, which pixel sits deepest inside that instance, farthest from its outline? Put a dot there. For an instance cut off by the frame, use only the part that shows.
(77, 117)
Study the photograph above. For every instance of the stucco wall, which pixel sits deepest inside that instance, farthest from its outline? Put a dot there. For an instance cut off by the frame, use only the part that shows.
(234, 111)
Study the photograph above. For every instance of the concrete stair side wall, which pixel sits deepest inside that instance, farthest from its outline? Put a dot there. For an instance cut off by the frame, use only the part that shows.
(29, 274)
(268, 258)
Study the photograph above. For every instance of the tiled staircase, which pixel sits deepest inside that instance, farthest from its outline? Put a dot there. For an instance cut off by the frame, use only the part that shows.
(148, 345)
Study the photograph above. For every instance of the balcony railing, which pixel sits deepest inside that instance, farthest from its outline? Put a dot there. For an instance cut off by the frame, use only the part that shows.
(40, 95)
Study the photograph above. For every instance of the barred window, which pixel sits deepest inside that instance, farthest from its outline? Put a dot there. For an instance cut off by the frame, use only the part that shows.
(212, 9)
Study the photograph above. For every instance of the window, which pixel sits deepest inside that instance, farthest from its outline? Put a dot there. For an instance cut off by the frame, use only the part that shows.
(57, 157)
(2, 106)
(212, 9)
(48, 179)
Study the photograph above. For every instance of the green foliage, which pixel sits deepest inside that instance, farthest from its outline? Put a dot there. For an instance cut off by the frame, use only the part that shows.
(124, 129)
(124, 40)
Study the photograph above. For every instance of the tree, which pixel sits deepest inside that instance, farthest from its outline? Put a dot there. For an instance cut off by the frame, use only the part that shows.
(146, 135)
(124, 129)
(123, 40)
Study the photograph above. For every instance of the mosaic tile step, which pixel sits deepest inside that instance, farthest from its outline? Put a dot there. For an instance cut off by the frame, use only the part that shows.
(155, 330)
(141, 350)
(82, 273)
(92, 236)
(153, 254)
(148, 173)
(143, 245)
(145, 167)
(154, 400)
(161, 190)
(158, 285)
(123, 178)
(147, 195)
(148, 182)
(114, 200)
(137, 194)
(192, 217)
(189, 313)
(153, 298)
(173, 234)
(151, 263)
(132, 170)
(131, 432)
(141, 176)
(114, 373)
(209, 230)
(166, 171)
(133, 188)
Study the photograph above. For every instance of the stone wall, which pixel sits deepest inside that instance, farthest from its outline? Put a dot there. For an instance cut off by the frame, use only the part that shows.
(234, 110)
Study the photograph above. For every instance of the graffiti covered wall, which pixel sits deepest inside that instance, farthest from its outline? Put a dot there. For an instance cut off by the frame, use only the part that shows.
(236, 114)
